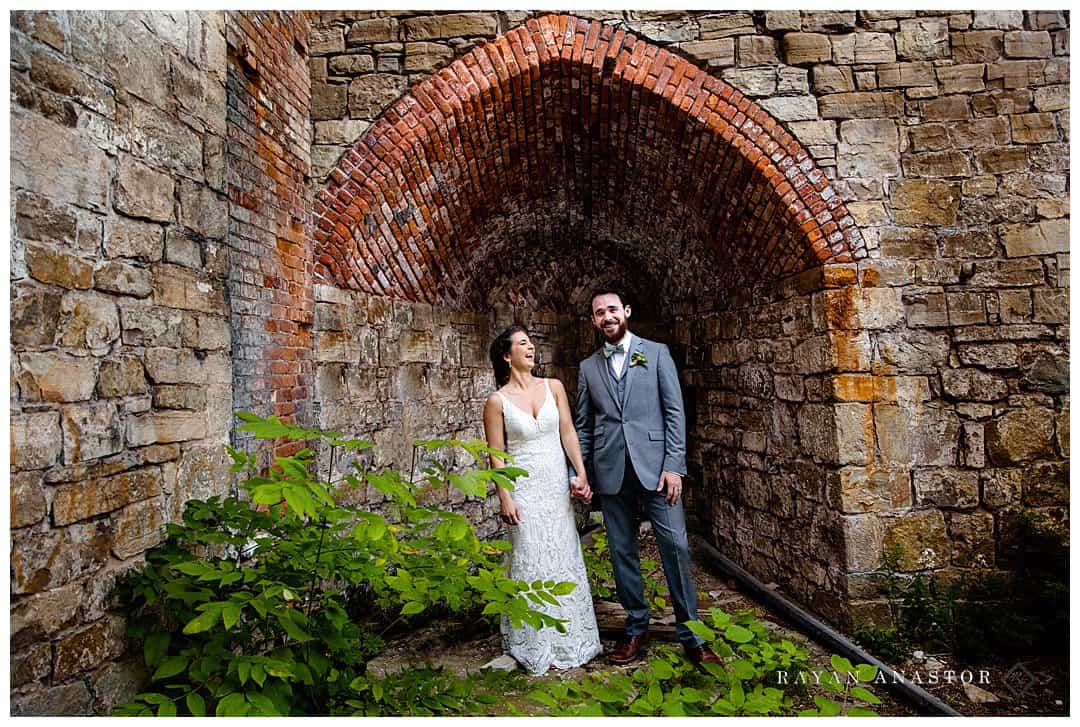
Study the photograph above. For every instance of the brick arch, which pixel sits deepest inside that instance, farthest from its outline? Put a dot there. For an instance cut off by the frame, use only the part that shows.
(564, 131)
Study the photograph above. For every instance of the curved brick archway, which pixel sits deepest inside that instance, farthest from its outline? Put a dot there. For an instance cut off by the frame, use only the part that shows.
(564, 131)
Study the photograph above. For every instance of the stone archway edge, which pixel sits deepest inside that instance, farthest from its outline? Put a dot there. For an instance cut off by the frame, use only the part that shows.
(379, 162)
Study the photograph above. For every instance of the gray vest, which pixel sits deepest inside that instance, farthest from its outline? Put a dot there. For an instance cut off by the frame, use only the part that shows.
(620, 381)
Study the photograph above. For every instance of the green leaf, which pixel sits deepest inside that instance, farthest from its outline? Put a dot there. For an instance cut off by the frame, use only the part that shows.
(564, 588)
(170, 667)
(233, 705)
(701, 630)
(542, 697)
(167, 709)
(196, 704)
(661, 668)
(866, 672)
(230, 615)
(738, 634)
(841, 664)
(412, 607)
(203, 622)
(865, 695)
(736, 695)
(861, 712)
(827, 707)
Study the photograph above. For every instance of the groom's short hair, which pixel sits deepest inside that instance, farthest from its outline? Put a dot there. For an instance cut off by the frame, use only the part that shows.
(608, 290)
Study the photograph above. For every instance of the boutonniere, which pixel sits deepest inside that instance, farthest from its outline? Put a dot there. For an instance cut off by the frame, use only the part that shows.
(639, 359)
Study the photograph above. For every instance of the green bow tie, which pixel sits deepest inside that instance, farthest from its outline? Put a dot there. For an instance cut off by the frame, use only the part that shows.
(609, 349)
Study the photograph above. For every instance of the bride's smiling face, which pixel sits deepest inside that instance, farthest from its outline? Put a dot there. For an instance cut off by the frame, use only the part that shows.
(522, 354)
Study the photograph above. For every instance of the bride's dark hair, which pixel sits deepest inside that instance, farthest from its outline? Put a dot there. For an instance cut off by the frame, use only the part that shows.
(499, 348)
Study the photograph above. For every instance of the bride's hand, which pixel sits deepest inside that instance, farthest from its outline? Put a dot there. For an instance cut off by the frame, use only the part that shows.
(508, 511)
(579, 488)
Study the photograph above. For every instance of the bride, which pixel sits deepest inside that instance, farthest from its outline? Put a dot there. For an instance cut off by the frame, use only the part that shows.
(529, 418)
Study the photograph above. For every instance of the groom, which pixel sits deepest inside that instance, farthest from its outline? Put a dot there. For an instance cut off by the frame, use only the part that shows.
(632, 430)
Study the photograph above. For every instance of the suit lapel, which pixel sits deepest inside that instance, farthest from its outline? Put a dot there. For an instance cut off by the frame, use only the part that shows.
(605, 374)
(629, 371)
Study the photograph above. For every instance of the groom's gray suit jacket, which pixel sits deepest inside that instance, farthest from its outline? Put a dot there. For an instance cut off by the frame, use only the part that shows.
(648, 419)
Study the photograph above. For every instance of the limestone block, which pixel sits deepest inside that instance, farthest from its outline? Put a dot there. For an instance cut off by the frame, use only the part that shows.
(946, 487)
(163, 427)
(973, 445)
(725, 25)
(916, 435)
(1028, 44)
(923, 39)
(663, 31)
(139, 527)
(139, 191)
(906, 75)
(52, 558)
(829, 21)
(123, 376)
(922, 201)
(201, 99)
(178, 287)
(179, 396)
(874, 48)
(1002, 161)
(791, 108)
(325, 39)
(1003, 19)
(1052, 98)
(133, 238)
(28, 505)
(1046, 484)
(978, 46)
(863, 542)
(31, 665)
(41, 154)
(1042, 238)
(144, 325)
(82, 500)
(48, 265)
(329, 100)
(984, 185)
(920, 539)
(55, 376)
(67, 699)
(88, 321)
(203, 211)
(990, 355)
(979, 133)
(88, 647)
(946, 108)
(907, 242)
(965, 78)
(1014, 306)
(90, 431)
(39, 617)
(123, 279)
(925, 309)
(1047, 19)
(174, 366)
(1063, 430)
(873, 489)
(806, 48)
(868, 148)
(1017, 74)
(1046, 371)
(972, 539)
(753, 82)
(36, 441)
(817, 432)
(369, 95)
(857, 308)
(117, 682)
(966, 308)
(792, 81)
(162, 141)
(718, 52)
(783, 20)
(1051, 306)
(1033, 128)
(1020, 435)
(756, 50)
(453, 25)
(862, 104)
(832, 79)
(38, 219)
(854, 433)
(350, 65)
(973, 385)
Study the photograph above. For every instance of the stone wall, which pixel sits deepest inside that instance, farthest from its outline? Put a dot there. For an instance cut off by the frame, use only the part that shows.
(393, 371)
(269, 216)
(120, 337)
(937, 403)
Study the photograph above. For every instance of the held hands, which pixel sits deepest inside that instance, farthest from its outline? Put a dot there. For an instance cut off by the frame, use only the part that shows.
(579, 488)
(508, 511)
(673, 482)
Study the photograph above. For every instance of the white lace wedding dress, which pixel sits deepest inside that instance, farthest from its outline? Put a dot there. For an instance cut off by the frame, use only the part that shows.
(545, 543)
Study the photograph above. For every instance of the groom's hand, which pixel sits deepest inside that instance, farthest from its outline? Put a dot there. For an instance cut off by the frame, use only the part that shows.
(673, 482)
(580, 489)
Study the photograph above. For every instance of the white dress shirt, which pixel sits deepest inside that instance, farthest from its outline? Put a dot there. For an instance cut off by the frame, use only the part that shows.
(618, 360)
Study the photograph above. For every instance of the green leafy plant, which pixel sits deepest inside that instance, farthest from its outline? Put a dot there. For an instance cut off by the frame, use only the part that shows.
(846, 681)
(602, 577)
(748, 683)
(243, 610)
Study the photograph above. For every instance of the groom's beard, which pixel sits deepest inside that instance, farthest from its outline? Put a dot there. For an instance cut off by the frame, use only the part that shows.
(620, 331)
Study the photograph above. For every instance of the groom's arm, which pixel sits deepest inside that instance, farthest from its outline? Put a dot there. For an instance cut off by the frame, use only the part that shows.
(671, 401)
(583, 420)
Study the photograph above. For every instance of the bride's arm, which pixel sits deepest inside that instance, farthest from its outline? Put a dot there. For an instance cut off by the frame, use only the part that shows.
(567, 432)
(493, 432)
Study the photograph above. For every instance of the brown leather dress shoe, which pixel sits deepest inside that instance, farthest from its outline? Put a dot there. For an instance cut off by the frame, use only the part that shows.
(702, 654)
(630, 649)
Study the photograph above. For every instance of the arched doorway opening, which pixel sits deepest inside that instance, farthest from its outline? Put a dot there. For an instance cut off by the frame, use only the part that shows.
(567, 154)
